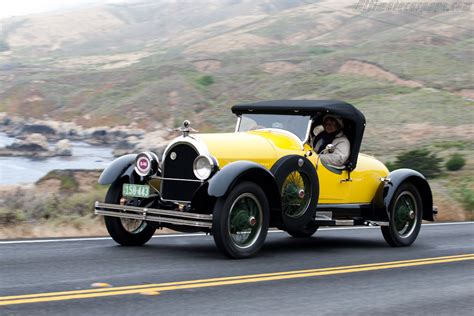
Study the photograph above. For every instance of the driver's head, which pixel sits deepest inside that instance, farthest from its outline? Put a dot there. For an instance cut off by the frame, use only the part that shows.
(332, 123)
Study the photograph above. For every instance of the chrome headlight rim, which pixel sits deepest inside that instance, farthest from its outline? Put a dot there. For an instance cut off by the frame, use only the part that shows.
(152, 163)
(211, 167)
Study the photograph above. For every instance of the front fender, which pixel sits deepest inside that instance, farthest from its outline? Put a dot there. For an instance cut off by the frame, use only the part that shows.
(224, 180)
(399, 176)
(117, 168)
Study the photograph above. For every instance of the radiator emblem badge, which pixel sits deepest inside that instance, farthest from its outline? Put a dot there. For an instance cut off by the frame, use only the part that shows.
(173, 156)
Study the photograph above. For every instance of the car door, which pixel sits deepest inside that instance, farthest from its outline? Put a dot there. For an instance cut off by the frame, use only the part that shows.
(333, 189)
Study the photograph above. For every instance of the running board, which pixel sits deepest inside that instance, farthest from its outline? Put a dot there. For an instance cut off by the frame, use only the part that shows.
(154, 215)
(348, 222)
(334, 222)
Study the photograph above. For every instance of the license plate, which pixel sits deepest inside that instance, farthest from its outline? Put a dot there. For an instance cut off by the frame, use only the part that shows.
(136, 190)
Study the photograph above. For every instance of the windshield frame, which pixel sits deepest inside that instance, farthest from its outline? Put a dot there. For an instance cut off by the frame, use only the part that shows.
(302, 142)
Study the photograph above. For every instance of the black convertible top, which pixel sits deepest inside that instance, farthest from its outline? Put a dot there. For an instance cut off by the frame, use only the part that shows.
(302, 107)
(354, 120)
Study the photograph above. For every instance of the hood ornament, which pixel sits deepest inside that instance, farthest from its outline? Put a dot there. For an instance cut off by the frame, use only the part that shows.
(186, 128)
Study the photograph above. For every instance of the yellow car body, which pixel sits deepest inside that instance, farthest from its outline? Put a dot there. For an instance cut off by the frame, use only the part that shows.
(265, 147)
(265, 174)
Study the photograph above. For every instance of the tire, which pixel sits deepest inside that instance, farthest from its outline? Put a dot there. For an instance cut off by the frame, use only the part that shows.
(406, 210)
(299, 189)
(304, 232)
(240, 221)
(126, 232)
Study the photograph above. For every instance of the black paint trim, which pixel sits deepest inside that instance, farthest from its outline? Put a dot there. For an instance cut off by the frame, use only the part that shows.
(341, 211)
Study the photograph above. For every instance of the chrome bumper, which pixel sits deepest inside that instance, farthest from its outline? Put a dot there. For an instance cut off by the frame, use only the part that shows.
(154, 215)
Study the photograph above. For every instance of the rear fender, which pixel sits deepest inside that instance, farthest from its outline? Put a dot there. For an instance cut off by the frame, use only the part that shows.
(386, 193)
(122, 166)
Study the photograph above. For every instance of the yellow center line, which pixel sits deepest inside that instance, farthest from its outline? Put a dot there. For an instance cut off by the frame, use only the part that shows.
(171, 286)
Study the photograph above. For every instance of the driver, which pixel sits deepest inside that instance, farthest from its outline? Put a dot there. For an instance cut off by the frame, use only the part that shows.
(332, 134)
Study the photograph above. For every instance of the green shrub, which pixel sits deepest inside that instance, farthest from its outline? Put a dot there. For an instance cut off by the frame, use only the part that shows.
(467, 199)
(456, 162)
(390, 165)
(205, 81)
(421, 160)
(7, 216)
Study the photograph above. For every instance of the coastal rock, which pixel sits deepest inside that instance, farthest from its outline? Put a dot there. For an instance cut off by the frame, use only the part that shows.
(98, 136)
(125, 146)
(63, 148)
(11, 125)
(39, 128)
(107, 135)
(33, 143)
(153, 141)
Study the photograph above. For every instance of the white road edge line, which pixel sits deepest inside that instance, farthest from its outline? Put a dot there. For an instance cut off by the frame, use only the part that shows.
(32, 241)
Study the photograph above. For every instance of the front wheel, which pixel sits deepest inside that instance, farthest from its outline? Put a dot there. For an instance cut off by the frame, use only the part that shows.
(240, 221)
(125, 231)
(405, 217)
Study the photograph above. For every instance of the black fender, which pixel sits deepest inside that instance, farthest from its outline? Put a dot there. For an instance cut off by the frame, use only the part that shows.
(118, 168)
(386, 192)
(226, 178)
(280, 170)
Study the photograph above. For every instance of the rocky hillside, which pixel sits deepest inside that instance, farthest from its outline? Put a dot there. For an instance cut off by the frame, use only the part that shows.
(162, 61)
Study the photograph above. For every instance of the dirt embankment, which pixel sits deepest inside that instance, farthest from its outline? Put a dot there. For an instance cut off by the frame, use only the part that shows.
(375, 71)
(59, 205)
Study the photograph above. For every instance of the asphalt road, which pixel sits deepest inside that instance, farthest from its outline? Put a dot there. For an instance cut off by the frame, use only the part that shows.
(338, 271)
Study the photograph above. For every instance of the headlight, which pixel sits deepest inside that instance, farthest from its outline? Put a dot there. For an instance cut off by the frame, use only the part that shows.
(146, 163)
(203, 167)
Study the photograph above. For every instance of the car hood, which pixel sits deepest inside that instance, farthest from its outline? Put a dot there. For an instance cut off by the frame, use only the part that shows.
(261, 146)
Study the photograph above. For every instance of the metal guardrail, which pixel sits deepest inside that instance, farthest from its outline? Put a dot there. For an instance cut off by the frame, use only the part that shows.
(154, 215)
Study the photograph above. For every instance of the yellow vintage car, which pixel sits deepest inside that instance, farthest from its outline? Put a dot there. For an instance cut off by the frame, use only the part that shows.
(237, 185)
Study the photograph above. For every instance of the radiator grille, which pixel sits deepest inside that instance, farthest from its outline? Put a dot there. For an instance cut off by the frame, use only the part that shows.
(179, 168)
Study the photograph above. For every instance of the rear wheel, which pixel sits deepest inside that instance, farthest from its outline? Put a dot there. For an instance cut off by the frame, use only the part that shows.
(405, 217)
(304, 232)
(125, 231)
(240, 221)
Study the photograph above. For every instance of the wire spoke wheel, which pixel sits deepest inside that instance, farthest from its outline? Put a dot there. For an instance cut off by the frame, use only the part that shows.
(245, 220)
(405, 216)
(133, 226)
(127, 231)
(405, 212)
(296, 194)
(240, 221)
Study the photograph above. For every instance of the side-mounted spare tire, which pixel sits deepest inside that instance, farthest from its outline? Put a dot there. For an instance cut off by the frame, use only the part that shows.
(298, 183)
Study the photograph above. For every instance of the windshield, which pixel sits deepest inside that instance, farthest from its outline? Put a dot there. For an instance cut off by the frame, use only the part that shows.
(295, 124)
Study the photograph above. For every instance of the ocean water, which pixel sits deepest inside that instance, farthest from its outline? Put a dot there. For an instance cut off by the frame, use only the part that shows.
(17, 170)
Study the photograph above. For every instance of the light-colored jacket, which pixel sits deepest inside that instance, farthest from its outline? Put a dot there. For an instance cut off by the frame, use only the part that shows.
(341, 151)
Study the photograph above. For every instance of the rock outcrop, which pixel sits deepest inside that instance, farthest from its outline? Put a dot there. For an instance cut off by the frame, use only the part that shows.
(63, 148)
(34, 145)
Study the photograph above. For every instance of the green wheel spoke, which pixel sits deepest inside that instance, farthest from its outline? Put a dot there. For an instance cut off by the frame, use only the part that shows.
(245, 209)
(405, 214)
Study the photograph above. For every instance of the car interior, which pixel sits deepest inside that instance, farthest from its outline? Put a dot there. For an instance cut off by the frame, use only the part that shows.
(348, 131)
